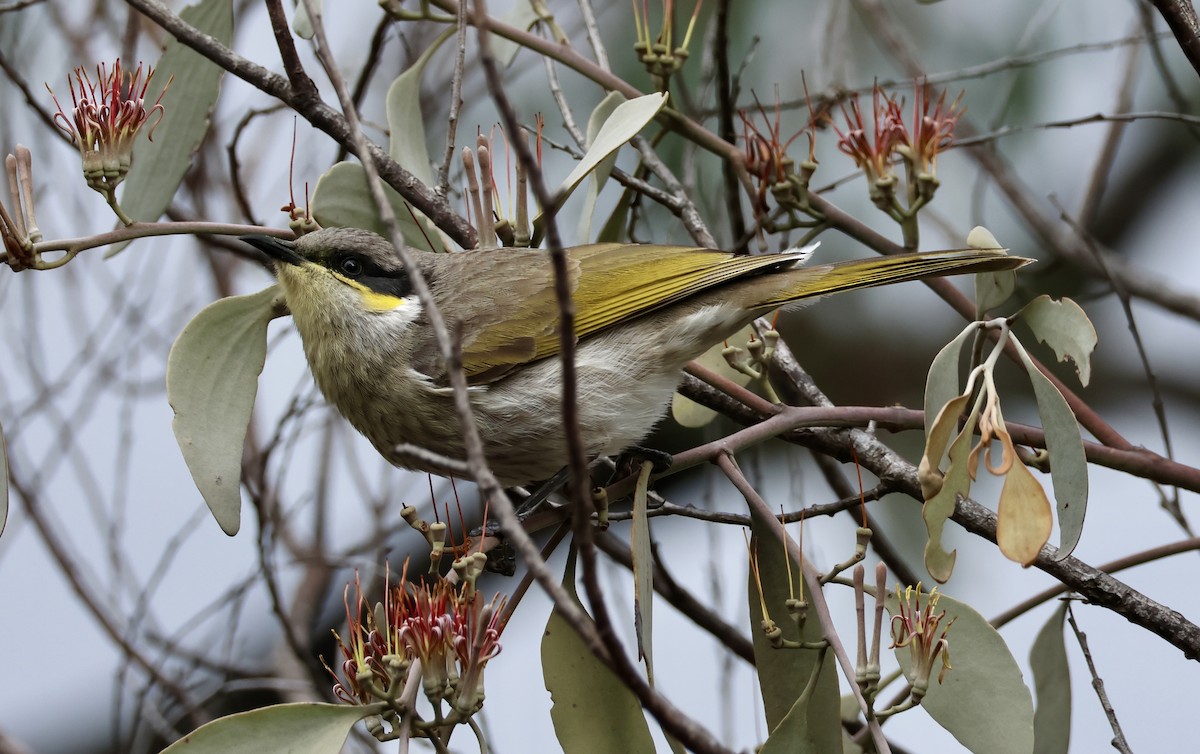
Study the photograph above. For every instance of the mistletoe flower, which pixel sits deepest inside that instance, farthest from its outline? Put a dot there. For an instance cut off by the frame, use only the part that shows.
(106, 116)
(873, 154)
(916, 626)
(933, 129)
(445, 630)
(476, 640)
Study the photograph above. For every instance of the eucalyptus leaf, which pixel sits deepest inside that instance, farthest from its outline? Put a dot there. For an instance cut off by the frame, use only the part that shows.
(212, 380)
(983, 701)
(791, 736)
(929, 471)
(626, 121)
(1064, 327)
(593, 710)
(301, 23)
(521, 16)
(643, 571)
(3, 482)
(942, 383)
(1052, 683)
(1023, 518)
(342, 200)
(406, 123)
(159, 166)
(688, 413)
(938, 509)
(603, 170)
(613, 230)
(991, 288)
(302, 728)
(783, 673)
(1068, 462)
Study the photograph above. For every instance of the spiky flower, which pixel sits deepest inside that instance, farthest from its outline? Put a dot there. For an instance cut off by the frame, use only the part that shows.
(445, 630)
(873, 152)
(916, 626)
(106, 116)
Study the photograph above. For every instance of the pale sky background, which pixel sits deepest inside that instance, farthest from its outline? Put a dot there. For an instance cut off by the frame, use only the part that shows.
(60, 667)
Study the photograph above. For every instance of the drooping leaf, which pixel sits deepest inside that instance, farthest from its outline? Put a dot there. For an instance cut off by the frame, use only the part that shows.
(406, 123)
(938, 509)
(159, 165)
(942, 383)
(212, 380)
(1064, 327)
(1052, 683)
(1068, 462)
(521, 16)
(301, 23)
(983, 701)
(593, 711)
(783, 673)
(791, 735)
(643, 571)
(991, 288)
(1023, 518)
(687, 412)
(3, 482)
(599, 176)
(937, 434)
(625, 122)
(342, 200)
(302, 728)
(614, 227)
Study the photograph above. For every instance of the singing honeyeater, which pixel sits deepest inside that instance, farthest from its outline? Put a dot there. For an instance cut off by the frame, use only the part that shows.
(642, 312)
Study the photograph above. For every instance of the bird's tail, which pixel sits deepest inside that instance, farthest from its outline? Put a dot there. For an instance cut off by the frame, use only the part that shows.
(822, 280)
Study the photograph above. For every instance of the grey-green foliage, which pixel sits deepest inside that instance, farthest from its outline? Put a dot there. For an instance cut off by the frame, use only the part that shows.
(159, 166)
(212, 380)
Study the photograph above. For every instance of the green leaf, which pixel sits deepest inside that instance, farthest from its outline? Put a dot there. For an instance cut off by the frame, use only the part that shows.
(159, 166)
(614, 227)
(521, 16)
(687, 412)
(303, 728)
(942, 384)
(783, 673)
(625, 122)
(991, 288)
(342, 200)
(1068, 463)
(791, 736)
(983, 701)
(643, 572)
(212, 379)
(593, 711)
(301, 23)
(1064, 327)
(406, 123)
(3, 482)
(938, 509)
(1052, 683)
(599, 176)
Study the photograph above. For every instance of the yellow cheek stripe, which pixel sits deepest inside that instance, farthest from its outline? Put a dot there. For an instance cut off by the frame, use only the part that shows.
(372, 300)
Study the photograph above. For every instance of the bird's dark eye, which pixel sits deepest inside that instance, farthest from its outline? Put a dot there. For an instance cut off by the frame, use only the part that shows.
(350, 266)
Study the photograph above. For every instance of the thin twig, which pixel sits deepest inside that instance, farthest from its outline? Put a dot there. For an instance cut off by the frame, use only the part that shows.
(1119, 743)
(1180, 16)
(442, 188)
(754, 501)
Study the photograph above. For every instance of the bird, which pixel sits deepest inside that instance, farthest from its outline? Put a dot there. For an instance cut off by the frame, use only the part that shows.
(643, 311)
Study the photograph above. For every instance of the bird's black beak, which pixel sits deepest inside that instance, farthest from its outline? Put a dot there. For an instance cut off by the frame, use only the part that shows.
(276, 248)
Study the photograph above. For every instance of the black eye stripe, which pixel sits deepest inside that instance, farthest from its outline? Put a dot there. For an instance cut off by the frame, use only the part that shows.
(365, 271)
